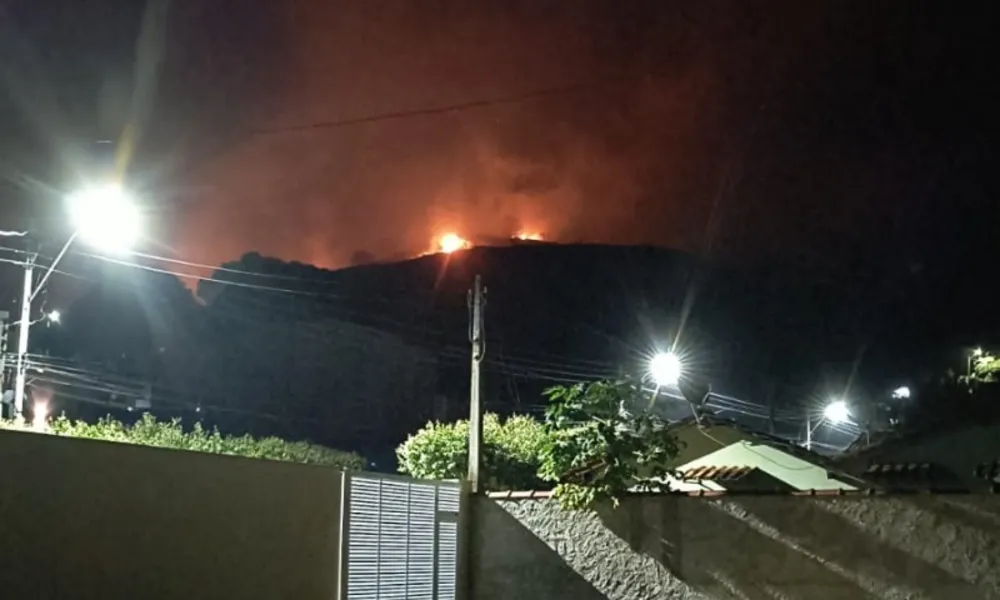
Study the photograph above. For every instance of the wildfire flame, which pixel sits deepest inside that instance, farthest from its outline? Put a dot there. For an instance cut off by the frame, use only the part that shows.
(529, 236)
(452, 242)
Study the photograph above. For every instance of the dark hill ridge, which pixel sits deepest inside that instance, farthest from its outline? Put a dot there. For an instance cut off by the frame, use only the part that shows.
(612, 303)
(272, 354)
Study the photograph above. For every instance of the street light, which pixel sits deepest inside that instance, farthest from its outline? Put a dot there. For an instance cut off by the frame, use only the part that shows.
(666, 369)
(54, 316)
(105, 217)
(837, 412)
(901, 393)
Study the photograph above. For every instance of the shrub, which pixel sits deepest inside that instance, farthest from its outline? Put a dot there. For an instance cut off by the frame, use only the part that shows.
(511, 451)
(148, 431)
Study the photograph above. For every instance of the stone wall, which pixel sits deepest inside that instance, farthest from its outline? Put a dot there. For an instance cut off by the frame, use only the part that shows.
(741, 547)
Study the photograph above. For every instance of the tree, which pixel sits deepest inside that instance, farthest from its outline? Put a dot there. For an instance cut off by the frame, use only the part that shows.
(986, 367)
(596, 449)
(148, 431)
(511, 452)
(590, 448)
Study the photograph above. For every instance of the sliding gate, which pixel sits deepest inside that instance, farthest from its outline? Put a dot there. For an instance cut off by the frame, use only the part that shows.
(400, 538)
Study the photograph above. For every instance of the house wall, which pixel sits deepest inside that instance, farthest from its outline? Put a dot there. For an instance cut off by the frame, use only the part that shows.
(86, 519)
(695, 444)
(740, 547)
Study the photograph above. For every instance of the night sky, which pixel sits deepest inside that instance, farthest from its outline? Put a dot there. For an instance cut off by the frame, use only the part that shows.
(796, 132)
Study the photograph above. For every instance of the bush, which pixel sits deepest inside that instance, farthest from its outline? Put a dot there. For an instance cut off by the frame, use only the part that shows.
(148, 431)
(589, 450)
(511, 451)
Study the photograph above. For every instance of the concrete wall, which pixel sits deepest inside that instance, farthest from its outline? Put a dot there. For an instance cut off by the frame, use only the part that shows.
(745, 547)
(84, 519)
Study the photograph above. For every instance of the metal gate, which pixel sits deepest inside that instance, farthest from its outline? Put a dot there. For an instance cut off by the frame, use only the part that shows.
(400, 538)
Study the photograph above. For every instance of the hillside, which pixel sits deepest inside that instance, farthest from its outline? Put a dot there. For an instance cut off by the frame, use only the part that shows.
(610, 303)
(305, 350)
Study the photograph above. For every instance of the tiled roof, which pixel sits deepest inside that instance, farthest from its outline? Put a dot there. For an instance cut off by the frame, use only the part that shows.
(832, 468)
(715, 473)
(913, 470)
(710, 420)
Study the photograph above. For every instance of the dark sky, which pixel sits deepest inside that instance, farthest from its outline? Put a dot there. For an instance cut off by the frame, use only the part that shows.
(749, 130)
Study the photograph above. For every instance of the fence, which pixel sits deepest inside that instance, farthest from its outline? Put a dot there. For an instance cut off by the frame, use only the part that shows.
(400, 538)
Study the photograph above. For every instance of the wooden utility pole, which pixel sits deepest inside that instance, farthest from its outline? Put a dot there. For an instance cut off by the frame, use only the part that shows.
(477, 300)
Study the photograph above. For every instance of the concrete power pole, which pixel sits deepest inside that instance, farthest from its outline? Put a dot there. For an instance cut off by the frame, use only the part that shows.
(809, 432)
(4, 316)
(477, 300)
(22, 338)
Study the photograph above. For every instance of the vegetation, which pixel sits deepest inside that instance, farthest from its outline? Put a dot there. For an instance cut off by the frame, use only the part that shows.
(148, 431)
(986, 367)
(511, 452)
(589, 449)
(597, 449)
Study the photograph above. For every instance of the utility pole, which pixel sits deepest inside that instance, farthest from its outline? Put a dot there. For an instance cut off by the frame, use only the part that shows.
(22, 338)
(477, 300)
(809, 432)
(4, 316)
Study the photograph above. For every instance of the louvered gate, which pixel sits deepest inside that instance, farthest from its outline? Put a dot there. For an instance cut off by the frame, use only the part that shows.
(401, 539)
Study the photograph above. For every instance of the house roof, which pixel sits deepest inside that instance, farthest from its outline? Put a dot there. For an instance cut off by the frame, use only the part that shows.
(958, 455)
(715, 473)
(736, 477)
(728, 431)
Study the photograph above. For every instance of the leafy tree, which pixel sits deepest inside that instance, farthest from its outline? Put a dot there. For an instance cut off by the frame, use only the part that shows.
(986, 367)
(148, 431)
(596, 449)
(511, 451)
(591, 448)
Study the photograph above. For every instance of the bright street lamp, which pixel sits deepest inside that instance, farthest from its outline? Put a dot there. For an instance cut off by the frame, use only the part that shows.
(901, 393)
(837, 412)
(54, 316)
(666, 369)
(103, 216)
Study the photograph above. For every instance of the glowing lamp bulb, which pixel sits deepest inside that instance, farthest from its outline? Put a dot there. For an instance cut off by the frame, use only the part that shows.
(106, 217)
(665, 368)
(837, 412)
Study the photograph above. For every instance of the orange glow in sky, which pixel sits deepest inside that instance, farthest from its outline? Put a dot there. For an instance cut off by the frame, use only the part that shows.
(450, 242)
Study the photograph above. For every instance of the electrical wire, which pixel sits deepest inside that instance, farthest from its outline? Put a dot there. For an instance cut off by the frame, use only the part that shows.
(423, 112)
(530, 368)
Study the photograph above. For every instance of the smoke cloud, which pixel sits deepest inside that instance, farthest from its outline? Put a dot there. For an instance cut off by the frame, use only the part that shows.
(632, 151)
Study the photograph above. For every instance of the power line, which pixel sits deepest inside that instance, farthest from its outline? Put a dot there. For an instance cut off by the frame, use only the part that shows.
(423, 112)
(224, 269)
